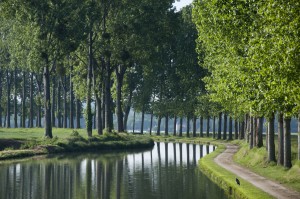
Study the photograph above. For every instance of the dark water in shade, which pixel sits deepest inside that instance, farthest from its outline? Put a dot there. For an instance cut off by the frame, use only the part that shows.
(169, 170)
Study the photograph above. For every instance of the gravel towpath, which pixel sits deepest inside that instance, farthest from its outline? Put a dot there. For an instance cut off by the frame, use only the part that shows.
(225, 160)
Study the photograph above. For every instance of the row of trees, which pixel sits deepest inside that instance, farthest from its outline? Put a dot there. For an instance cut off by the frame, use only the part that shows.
(252, 55)
(60, 56)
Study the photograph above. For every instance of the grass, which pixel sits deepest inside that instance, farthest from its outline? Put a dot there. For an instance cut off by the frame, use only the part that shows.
(23, 142)
(256, 160)
(226, 179)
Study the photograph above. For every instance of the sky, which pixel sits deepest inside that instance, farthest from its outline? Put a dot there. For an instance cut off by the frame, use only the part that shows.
(182, 3)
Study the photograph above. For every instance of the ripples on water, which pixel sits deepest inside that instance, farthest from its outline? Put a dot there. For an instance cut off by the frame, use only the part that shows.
(169, 170)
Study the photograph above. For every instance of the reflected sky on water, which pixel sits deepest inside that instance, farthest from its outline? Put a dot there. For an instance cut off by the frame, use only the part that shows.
(169, 170)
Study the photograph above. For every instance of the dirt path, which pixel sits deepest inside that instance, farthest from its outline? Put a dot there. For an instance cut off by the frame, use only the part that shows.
(275, 189)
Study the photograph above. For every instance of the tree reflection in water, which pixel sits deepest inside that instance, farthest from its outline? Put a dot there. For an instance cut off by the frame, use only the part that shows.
(169, 170)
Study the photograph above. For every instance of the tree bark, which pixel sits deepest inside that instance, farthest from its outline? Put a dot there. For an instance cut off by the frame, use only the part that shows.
(72, 101)
(47, 103)
(53, 107)
(230, 129)
(108, 113)
(236, 129)
(99, 118)
(167, 125)
(219, 126)
(158, 125)
(143, 120)
(259, 142)
(180, 126)
(1, 74)
(188, 126)
(243, 130)
(65, 124)
(214, 127)
(225, 127)
(251, 132)
(8, 79)
(298, 135)
(24, 100)
(127, 110)
(15, 100)
(271, 135)
(59, 104)
(120, 71)
(207, 126)
(78, 113)
(151, 123)
(194, 125)
(174, 125)
(201, 126)
(287, 161)
(88, 116)
(280, 140)
(133, 124)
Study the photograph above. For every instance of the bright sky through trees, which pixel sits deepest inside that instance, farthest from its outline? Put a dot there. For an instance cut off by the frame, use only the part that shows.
(180, 4)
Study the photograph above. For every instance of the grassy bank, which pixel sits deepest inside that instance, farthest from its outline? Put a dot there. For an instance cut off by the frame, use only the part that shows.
(226, 180)
(24, 143)
(256, 160)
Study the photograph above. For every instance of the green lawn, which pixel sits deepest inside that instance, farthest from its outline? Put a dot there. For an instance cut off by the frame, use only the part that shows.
(29, 133)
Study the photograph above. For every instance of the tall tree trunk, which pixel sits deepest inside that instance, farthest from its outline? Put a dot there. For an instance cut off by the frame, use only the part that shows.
(133, 124)
(214, 127)
(108, 112)
(99, 118)
(207, 126)
(78, 113)
(174, 125)
(158, 125)
(53, 107)
(59, 104)
(259, 142)
(243, 130)
(201, 126)
(298, 134)
(194, 125)
(88, 116)
(167, 125)
(120, 71)
(143, 120)
(251, 132)
(287, 161)
(180, 126)
(39, 80)
(280, 140)
(24, 100)
(230, 129)
(15, 100)
(247, 123)
(47, 103)
(236, 129)
(103, 106)
(127, 110)
(151, 123)
(188, 126)
(1, 74)
(271, 144)
(219, 126)
(255, 131)
(225, 127)
(65, 125)
(72, 101)
(8, 79)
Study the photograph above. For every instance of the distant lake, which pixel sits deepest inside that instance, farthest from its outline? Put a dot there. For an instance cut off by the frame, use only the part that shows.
(169, 170)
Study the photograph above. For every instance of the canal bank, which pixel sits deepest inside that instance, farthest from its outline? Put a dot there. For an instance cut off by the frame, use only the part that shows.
(220, 168)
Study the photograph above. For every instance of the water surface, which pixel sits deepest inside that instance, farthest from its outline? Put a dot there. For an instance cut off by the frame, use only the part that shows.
(169, 170)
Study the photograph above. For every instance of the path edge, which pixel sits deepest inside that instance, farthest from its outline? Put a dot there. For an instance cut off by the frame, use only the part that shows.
(226, 180)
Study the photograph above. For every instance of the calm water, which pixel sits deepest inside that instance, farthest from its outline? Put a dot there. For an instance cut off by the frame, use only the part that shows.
(169, 170)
